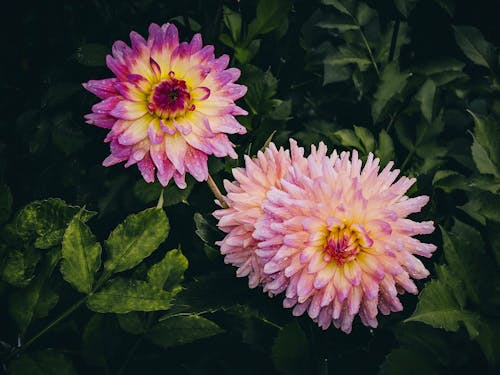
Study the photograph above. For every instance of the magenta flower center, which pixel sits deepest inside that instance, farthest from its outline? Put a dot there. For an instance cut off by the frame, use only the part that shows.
(343, 244)
(170, 98)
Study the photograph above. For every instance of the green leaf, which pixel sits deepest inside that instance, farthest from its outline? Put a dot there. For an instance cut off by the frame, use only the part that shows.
(135, 239)
(344, 6)
(205, 230)
(43, 362)
(81, 256)
(438, 308)
(18, 266)
(481, 159)
(46, 302)
(182, 329)
(169, 272)
(474, 46)
(5, 203)
(270, 15)
(45, 221)
(101, 340)
(23, 303)
(262, 88)
(348, 54)
(366, 138)
(385, 149)
(290, 352)
(91, 54)
(407, 361)
(339, 22)
(448, 180)
(348, 138)
(425, 96)
(335, 73)
(486, 146)
(232, 20)
(132, 323)
(463, 249)
(391, 86)
(125, 295)
(405, 6)
(482, 206)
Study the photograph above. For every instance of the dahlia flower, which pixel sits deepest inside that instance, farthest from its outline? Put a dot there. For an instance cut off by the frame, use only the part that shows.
(170, 105)
(244, 198)
(331, 234)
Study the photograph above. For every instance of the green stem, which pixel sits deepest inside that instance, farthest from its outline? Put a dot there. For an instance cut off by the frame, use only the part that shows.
(132, 350)
(213, 186)
(104, 277)
(369, 51)
(52, 324)
(365, 41)
(408, 158)
(394, 40)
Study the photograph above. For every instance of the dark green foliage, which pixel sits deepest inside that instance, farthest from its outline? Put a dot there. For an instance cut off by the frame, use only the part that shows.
(91, 286)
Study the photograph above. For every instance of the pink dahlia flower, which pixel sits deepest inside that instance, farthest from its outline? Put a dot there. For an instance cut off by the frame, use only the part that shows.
(244, 198)
(170, 105)
(334, 237)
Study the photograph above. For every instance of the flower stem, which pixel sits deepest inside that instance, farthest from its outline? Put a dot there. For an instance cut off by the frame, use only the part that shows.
(52, 324)
(213, 186)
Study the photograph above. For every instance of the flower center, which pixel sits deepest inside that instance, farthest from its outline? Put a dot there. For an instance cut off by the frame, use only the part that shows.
(170, 98)
(345, 242)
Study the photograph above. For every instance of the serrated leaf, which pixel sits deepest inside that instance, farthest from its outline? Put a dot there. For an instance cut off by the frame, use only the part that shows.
(135, 239)
(474, 46)
(385, 149)
(43, 362)
(81, 256)
(335, 73)
(407, 361)
(5, 203)
(438, 308)
(232, 20)
(348, 138)
(262, 88)
(206, 231)
(126, 295)
(482, 160)
(483, 206)
(347, 54)
(46, 302)
(45, 221)
(463, 249)
(23, 303)
(270, 15)
(486, 145)
(392, 83)
(425, 96)
(339, 22)
(18, 267)
(290, 352)
(366, 138)
(447, 180)
(169, 272)
(183, 329)
(132, 323)
(344, 6)
(405, 6)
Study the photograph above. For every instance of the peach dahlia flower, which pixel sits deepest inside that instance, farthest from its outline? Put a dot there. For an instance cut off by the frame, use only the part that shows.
(331, 234)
